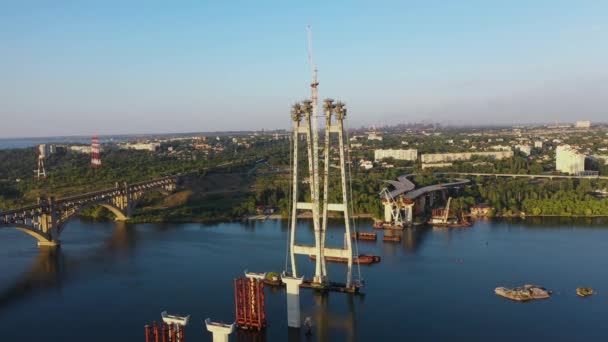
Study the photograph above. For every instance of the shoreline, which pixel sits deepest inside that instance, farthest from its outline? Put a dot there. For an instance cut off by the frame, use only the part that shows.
(208, 220)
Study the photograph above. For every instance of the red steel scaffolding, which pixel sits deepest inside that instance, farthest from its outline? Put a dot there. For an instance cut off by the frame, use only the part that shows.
(164, 333)
(249, 303)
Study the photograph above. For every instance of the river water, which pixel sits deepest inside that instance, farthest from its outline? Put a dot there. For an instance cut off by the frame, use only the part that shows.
(109, 279)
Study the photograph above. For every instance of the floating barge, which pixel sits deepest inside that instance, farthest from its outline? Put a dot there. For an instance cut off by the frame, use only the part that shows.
(332, 286)
(441, 218)
(387, 225)
(365, 236)
(391, 238)
(362, 259)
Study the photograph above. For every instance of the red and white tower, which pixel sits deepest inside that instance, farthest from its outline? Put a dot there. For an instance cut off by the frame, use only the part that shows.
(95, 153)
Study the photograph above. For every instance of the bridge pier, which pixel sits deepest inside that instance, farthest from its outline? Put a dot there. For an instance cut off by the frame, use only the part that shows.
(49, 244)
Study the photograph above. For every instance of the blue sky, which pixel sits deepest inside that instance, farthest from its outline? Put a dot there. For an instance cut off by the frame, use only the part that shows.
(110, 67)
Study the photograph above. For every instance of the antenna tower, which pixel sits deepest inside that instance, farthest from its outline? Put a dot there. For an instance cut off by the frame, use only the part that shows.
(41, 172)
(95, 153)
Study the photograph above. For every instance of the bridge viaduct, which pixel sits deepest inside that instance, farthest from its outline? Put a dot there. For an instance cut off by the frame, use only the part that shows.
(46, 220)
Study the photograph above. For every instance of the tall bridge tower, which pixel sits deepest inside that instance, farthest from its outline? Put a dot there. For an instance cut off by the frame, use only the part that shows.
(334, 124)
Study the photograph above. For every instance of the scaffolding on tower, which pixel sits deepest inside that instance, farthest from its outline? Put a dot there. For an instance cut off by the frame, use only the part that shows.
(95, 153)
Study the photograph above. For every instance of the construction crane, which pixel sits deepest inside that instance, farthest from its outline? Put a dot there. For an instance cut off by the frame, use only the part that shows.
(394, 207)
(313, 67)
(447, 210)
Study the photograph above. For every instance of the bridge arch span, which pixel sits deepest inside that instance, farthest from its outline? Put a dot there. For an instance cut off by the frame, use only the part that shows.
(120, 215)
(42, 238)
(142, 194)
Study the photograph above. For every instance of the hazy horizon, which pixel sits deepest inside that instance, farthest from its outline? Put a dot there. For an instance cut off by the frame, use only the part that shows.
(76, 69)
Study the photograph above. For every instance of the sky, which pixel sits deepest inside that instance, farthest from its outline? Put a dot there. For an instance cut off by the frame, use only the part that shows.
(122, 67)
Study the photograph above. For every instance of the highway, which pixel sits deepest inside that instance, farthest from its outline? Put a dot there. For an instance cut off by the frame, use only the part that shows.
(515, 175)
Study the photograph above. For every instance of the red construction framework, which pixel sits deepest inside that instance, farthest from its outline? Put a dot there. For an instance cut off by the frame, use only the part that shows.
(249, 303)
(164, 333)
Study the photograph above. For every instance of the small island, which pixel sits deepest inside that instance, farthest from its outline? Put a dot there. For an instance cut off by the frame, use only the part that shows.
(525, 293)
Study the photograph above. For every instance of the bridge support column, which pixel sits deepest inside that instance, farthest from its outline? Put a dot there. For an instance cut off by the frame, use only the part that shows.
(388, 211)
(293, 300)
(47, 244)
(409, 213)
(219, 331)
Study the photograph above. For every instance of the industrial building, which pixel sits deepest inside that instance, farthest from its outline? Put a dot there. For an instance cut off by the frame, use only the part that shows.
(569, 160)
(410, 154)
(583, 124)
(449, 157)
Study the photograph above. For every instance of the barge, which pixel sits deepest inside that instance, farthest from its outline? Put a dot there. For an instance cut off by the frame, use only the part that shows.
(365, 236)
(391, 238)
(362, 259)
(387, 225)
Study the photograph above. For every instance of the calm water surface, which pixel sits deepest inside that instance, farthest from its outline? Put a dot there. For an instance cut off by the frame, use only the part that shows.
(109, 279)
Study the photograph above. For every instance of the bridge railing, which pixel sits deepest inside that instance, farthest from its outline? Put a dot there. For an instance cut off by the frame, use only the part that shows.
(20, 210)
(157, 180)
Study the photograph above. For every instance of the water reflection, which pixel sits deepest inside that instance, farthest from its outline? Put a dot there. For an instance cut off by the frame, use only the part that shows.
(326, 321)
(51, 268)
(46, 272)
(411, 240)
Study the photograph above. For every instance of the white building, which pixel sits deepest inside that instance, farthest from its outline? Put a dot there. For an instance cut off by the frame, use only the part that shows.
(80, 148)
(449, 157)
(501, 147)
(525, 149)
(583, 124)
(538, 144)
(140, 146)
(374, 136)
(569, 160)
(366, 164)
(411, 154)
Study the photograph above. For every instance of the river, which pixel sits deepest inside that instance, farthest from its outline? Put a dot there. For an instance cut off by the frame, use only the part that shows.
(109, 279)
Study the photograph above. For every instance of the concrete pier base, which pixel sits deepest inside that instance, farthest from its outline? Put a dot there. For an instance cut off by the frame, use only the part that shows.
(292, 285)
(48, 244)
(220, 331)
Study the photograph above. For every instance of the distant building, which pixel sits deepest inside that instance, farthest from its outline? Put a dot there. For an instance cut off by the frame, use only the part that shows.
(410, 154)
(449, 157)
(366, 164)
(538, 144)
(481, 210)
(501, 147)
(80, 148)
(374, 136)
(569, 160)
(140, 146)
(583, 124)
(47, 149)
(436, 165)
(525, 149)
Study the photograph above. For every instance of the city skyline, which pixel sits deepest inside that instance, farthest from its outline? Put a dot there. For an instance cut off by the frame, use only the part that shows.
(73, 69)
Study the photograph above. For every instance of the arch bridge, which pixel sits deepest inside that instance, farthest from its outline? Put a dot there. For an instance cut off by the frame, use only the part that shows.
(46, 220)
